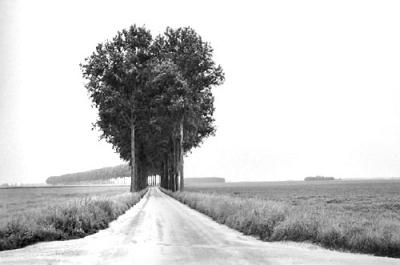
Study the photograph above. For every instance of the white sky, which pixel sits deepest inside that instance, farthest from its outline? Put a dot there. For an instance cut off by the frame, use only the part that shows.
(312, 87)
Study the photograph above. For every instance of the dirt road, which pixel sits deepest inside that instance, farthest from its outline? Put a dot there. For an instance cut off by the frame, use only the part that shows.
(160, 230)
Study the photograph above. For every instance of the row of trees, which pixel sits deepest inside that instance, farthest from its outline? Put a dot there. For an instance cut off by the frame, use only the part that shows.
(91, 176)
(107, 174)
(154, 99)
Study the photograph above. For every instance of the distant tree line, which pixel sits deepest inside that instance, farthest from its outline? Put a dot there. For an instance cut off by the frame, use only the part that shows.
(205, 180)
(318, 178)
(154, 100)
(90, 176)
(102, 175)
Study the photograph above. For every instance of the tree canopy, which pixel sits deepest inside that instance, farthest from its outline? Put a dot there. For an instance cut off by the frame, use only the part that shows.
(154, 98)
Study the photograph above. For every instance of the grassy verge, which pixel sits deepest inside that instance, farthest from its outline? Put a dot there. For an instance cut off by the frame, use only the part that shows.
(277, 221)
(72, 219)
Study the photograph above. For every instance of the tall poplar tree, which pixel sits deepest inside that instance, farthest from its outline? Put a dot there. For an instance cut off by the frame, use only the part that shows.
(194, 60)
(115, 74)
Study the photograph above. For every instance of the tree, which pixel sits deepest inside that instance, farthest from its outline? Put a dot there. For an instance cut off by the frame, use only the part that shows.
(115, 74)
(193, 57)
(154, 99)
(169, 99)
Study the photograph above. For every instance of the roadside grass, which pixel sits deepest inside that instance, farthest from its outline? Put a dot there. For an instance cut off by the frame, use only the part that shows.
(271, 220)
(72, 219)
(18, 200)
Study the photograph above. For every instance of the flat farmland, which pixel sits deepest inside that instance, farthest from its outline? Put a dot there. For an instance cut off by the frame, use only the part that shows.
(19, 200)
(364, 197)
(356, 216)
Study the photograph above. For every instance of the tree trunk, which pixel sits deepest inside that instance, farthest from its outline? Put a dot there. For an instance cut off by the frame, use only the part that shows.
(181, 157)
(168, 173)
(138, 174)
(165, 177)
(173, 177)
(133, 161)
(162, 174)
(176, 163)
(177, 166)
(162, 184)
(173, 165)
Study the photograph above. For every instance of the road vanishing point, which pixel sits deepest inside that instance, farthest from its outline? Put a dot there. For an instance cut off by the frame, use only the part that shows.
(161, 230)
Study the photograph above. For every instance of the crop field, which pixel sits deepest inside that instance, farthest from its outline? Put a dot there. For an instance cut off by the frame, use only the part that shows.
(14, 201)
(357, 216)
(367, 197)
(31, 215)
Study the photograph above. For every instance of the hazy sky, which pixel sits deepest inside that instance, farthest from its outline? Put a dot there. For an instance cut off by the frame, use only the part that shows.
(312, 87)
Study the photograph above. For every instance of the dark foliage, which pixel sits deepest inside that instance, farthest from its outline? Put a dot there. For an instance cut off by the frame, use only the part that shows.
(154, 98)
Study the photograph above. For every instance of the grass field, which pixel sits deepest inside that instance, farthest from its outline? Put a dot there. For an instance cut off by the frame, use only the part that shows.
(358, 216)
(30, 215)
(368, 197)
(15, 201)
